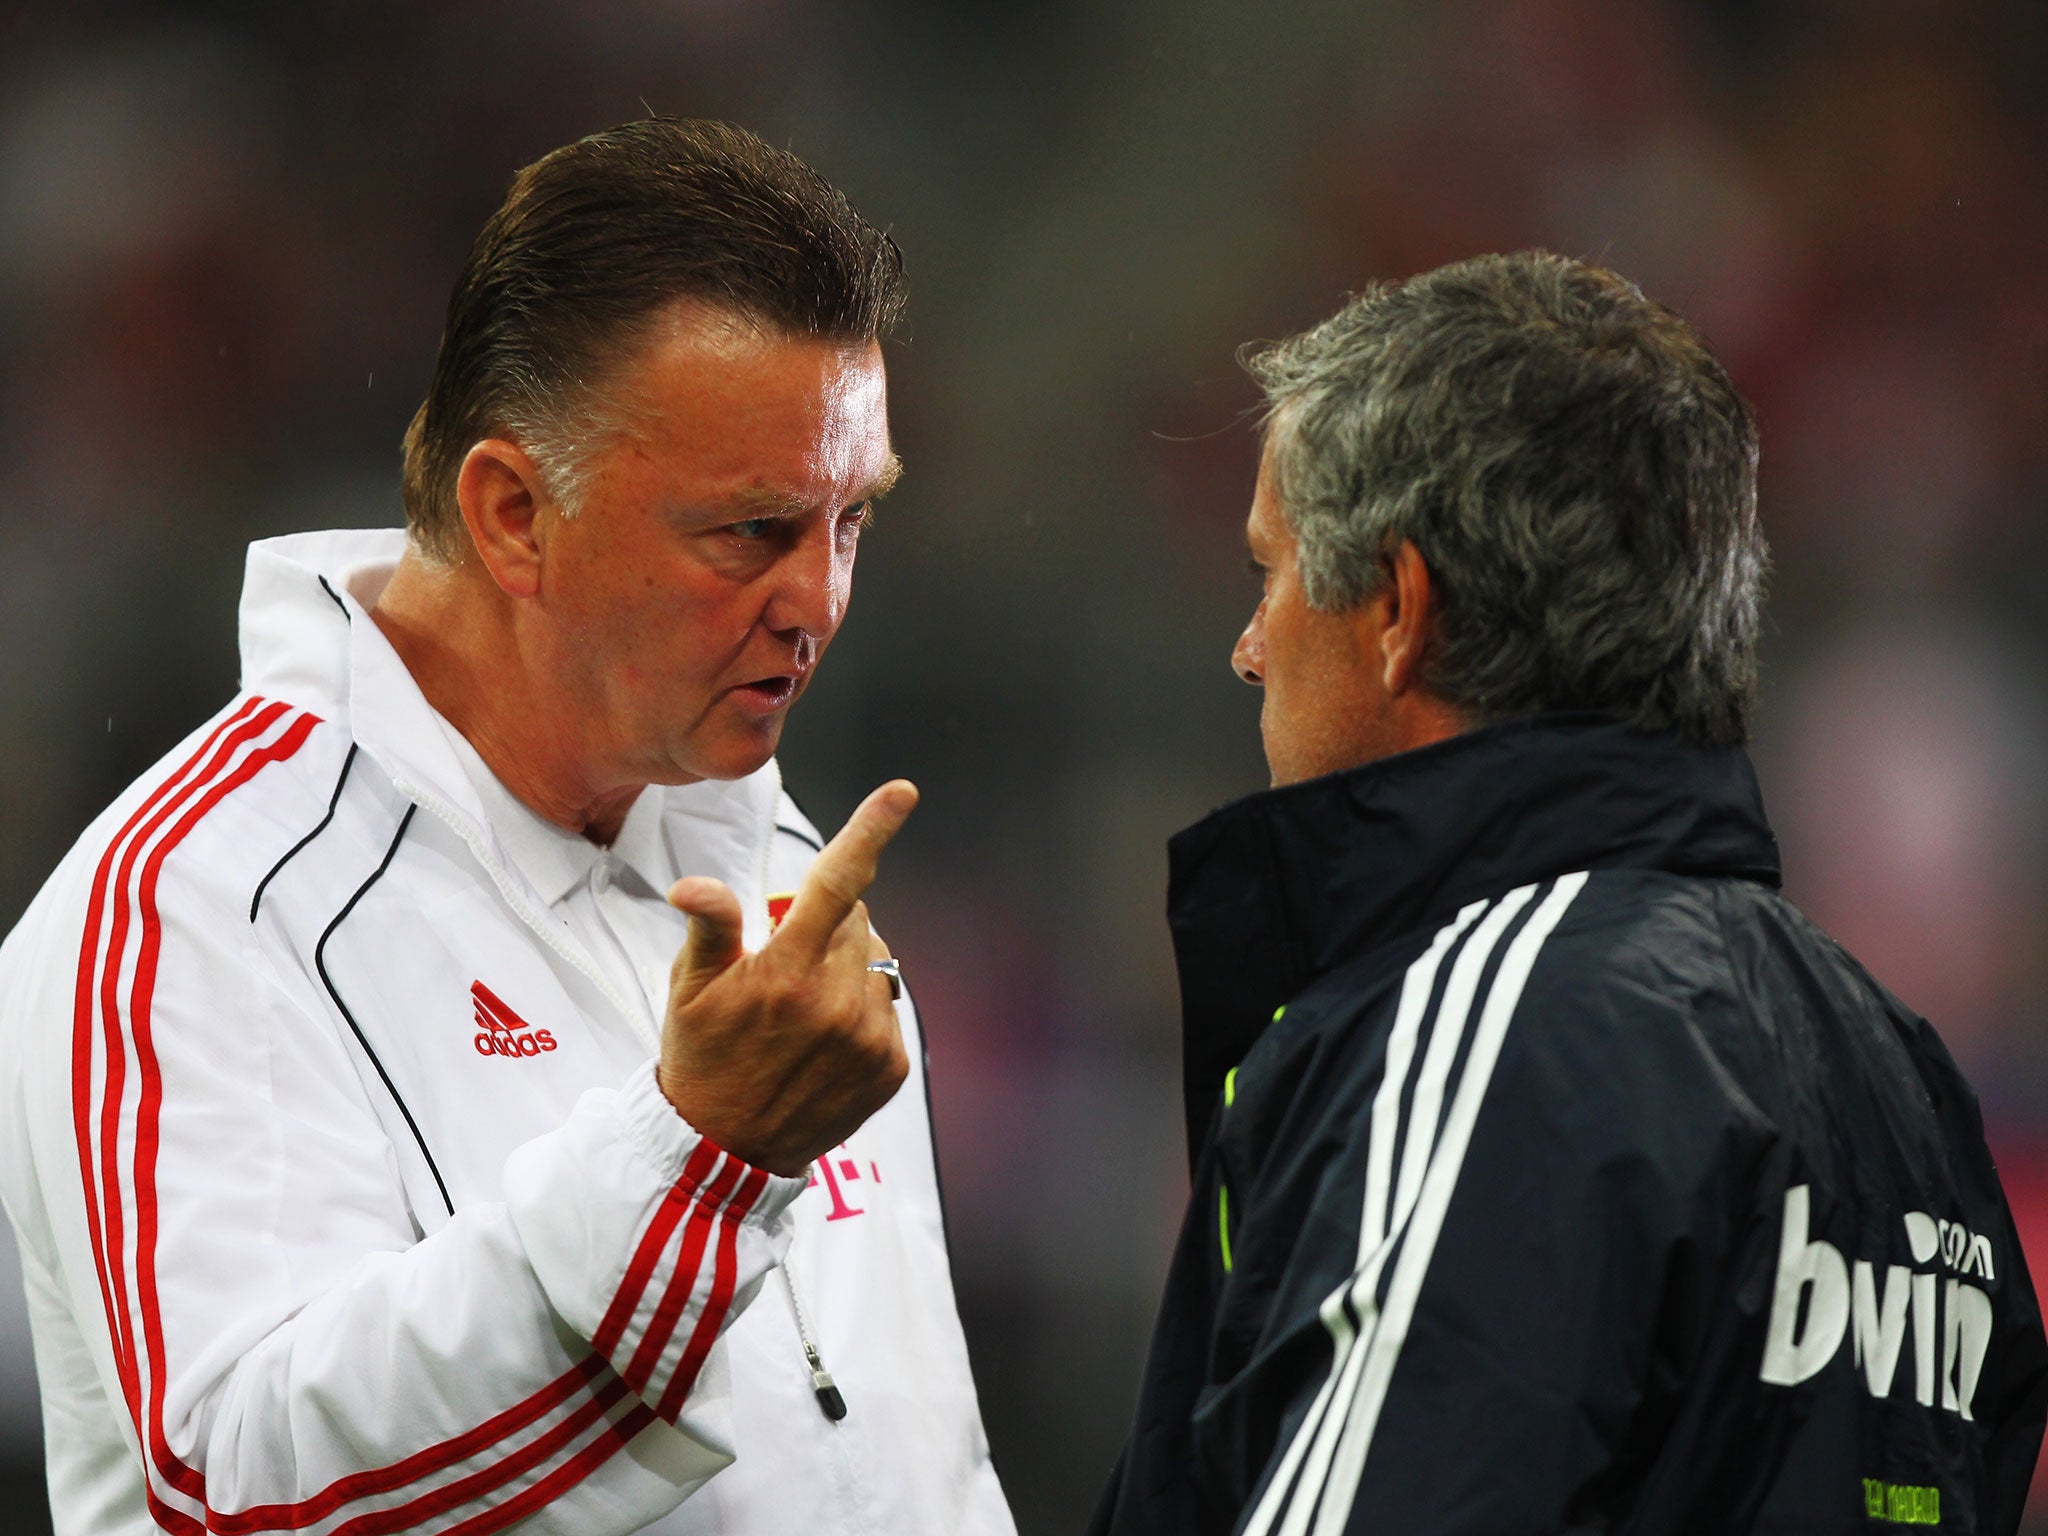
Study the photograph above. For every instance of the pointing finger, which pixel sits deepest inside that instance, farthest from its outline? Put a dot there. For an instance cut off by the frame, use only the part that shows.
(840, 876)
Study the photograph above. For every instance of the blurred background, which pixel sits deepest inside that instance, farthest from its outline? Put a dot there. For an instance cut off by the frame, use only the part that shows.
(227, 230)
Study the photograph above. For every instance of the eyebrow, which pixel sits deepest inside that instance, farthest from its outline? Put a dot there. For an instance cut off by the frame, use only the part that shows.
(764, 501)
(883, 483)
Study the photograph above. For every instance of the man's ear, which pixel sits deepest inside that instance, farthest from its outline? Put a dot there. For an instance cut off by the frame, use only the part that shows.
(1405, 614)
(501, 496)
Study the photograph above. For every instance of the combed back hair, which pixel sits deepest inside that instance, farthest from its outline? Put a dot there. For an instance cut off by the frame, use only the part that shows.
(590, 246)
(1573, 465)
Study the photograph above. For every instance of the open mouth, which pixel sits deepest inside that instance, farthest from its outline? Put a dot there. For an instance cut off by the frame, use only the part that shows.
(768, 692)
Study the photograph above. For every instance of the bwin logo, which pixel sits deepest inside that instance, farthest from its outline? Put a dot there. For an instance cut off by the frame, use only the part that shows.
(1836, 1298)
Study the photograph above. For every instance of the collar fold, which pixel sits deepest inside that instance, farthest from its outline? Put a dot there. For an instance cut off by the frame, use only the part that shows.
(307, 637)
(1272, 891)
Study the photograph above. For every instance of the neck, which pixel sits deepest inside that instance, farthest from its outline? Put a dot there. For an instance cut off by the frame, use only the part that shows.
(458, 637)
(1419, 719)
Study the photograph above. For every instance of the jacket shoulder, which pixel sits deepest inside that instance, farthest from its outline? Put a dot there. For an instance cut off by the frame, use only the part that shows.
(1641, 968)
(217, 810)
(1604, 1011)
(181, 850)
(1593, 973)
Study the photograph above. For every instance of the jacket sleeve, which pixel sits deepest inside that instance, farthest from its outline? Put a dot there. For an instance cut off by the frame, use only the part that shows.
(289, 1352)
(1502, 1304)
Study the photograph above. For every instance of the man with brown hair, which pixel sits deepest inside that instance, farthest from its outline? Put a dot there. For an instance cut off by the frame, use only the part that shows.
(414, 1118)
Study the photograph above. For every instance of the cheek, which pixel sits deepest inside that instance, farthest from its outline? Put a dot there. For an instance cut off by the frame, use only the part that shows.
(842, 580)
(1314, 677)
(1287, 647)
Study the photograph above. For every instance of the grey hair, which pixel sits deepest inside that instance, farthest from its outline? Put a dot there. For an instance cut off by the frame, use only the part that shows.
(1572, 463)
(564, 431)
(562, 437)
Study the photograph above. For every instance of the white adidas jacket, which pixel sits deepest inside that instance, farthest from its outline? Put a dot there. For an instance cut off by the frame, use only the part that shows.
(302, 1254)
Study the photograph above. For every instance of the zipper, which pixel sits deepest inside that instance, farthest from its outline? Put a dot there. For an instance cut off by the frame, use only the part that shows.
(461, 827)
(768, 839)
(830, 1400)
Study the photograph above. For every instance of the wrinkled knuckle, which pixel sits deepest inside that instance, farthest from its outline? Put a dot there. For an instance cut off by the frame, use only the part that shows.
(883, 1051)
(789, 993)
(847, 1029)
(867, 1052)
(839, 883)
(843, 1018)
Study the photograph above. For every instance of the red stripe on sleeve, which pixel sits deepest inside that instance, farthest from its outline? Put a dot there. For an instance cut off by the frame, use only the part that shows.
(480, 1485)
(712, 1319)
(639, 1372)
(82, 1020)
(179, 1475)
(176, 1521)
(674, 1206)
(361, 1485)
(115, 1066)
(571, 1472)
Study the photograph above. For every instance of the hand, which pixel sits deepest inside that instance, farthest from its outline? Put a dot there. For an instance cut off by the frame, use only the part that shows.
(780, 1055)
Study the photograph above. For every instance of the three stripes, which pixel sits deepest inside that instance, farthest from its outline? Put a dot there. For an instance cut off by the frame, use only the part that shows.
(563, 1431)
(701, 1213)
(1412, 1167)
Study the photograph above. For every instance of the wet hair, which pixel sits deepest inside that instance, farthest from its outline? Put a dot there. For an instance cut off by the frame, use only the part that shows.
(592, 244)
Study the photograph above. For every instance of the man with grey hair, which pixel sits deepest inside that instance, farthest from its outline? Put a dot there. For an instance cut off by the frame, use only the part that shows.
(1552, 1172)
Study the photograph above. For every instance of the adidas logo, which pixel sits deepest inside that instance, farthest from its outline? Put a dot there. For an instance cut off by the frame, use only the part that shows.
(500, 1031)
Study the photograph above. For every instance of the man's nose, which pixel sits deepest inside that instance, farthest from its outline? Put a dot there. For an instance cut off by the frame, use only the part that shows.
(811, 583)
(1248, 656)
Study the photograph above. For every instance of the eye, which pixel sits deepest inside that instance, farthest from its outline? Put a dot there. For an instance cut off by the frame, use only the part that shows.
(851, 522)
(754, 528)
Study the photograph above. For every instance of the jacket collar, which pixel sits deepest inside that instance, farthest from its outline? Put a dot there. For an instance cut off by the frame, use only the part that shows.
(1272, 891)
(555, 860)
(307, 637)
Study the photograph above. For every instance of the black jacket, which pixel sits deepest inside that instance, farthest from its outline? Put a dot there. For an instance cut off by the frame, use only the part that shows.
(1556, 1174)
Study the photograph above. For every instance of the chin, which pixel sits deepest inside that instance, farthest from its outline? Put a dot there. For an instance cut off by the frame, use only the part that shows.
(725, 760)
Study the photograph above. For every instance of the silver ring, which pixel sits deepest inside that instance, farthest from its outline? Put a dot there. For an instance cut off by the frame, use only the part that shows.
(894, 972)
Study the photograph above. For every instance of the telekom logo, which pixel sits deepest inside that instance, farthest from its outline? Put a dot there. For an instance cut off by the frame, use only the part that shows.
(837, 1170)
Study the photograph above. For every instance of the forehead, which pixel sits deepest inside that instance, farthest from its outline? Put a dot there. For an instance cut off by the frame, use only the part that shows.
(737, 409)
(1265, 527)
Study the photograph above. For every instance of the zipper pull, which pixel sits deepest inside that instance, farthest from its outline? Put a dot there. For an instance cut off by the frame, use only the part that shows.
(821, 1383)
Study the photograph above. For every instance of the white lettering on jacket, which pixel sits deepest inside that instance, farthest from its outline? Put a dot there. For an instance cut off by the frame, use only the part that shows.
(1819, 1297)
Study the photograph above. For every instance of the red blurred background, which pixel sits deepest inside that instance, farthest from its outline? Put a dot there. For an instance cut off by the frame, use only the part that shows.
(227, 229)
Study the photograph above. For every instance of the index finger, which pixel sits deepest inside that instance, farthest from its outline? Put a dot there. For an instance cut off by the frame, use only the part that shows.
(841, 874)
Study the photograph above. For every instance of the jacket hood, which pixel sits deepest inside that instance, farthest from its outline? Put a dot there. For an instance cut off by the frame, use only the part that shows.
(1273, 890)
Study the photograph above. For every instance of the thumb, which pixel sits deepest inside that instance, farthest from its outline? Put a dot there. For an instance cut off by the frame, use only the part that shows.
(714, 939)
